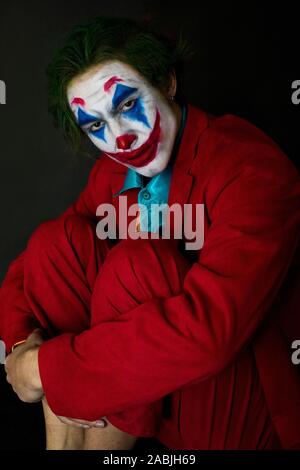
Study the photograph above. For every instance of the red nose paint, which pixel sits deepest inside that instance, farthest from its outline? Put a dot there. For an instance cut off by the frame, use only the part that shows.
(125, 141)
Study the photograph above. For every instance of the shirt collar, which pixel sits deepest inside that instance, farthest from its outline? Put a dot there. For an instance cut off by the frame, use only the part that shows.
(132, 180)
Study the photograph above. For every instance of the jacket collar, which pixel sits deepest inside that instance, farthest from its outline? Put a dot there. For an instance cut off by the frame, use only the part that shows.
(182, 177)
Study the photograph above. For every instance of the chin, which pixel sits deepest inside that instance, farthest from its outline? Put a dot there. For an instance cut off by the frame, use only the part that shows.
(157, 165)
(150, 170)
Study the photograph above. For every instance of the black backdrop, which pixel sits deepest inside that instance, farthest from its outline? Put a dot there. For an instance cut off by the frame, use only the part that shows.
(244, 63)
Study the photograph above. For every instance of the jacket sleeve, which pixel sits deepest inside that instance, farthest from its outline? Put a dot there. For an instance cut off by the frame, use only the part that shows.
(164, 344)
(16, 319)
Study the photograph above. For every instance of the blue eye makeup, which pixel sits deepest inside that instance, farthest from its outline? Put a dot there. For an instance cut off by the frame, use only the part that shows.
(125, 103)
(97, 129)
(84, 119)
(136, 111)
(122, 92)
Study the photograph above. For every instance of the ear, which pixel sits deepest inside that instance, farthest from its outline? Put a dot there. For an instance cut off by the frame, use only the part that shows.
(172, 88)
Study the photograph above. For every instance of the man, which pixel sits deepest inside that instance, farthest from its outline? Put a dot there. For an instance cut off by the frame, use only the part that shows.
(159, 340)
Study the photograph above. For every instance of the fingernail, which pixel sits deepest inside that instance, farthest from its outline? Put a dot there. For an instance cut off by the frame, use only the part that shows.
(85, 426)
(100, 424)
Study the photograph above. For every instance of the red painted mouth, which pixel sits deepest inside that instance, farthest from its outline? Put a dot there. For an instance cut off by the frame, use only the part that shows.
(145, 153)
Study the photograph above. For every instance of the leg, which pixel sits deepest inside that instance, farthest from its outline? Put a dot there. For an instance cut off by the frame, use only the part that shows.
(225, 412)
(62, 261)
(109, 438)
(134, 272)
(60, 268)
(60, 436)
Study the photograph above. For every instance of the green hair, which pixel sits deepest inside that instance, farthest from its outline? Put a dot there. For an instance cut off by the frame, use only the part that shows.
(103, 39)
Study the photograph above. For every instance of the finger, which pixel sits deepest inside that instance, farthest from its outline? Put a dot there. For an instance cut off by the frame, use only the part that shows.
(70, 422)
(100, 423)
(36, 337)
(39, 332)
(63, 419)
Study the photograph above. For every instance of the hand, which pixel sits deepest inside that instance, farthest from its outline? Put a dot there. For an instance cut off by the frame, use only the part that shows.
(52, 419)
(81, 423)
(22, 369)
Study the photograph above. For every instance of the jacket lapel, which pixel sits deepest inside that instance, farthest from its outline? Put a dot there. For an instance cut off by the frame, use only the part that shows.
(182, 177)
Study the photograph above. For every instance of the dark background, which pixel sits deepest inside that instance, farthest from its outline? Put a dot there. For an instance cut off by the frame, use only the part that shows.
(244, 62)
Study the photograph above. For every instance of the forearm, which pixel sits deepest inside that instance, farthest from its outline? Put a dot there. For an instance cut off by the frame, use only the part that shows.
(165, 343)
(16, 318)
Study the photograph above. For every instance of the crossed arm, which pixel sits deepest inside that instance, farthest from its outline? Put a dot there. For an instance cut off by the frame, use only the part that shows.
(248, 248)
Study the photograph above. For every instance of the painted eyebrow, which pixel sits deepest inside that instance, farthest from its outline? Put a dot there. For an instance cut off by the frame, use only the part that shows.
(122, 92)
(78, 101)
(109, 83)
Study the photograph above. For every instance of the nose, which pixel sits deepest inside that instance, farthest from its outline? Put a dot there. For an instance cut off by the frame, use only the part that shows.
(125, 141)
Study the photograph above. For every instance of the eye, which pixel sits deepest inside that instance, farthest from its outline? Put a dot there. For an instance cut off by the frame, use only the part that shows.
(128, 105)
(96, 126)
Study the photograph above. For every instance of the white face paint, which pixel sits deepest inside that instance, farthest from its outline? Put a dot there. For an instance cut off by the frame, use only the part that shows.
(124, 116)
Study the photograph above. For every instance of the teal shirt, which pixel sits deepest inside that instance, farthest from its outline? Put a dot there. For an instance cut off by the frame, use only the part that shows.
(153, 195)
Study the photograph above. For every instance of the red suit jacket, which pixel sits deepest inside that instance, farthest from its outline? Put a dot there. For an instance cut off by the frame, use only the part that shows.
(236, 292)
